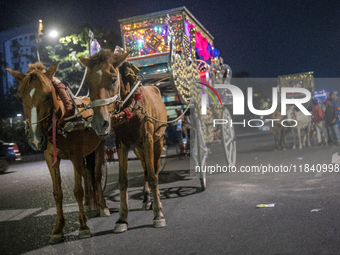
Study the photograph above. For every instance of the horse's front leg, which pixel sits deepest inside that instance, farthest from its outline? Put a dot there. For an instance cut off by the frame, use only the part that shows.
(122, 224)
(283, 143)
(276, 142)
(87, 194)
(304, 138)
(152, 163)
(84, 230)
(308, 134)
(299, 136)
(146, 191)
(57, 234)
(293, 133)
(104, 210)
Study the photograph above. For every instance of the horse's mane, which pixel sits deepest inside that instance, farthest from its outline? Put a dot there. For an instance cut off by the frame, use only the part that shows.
(36, 69)
(103, 56)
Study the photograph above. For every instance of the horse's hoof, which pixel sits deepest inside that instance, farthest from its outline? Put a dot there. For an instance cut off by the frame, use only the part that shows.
(104, 212)
(120, 226)
(147, 205)
(86, 233)
(159, 222)
(55, 239)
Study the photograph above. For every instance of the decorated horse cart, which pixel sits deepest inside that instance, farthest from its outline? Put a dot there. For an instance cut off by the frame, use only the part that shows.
(175, 52)
(303, 122)
(172, 51)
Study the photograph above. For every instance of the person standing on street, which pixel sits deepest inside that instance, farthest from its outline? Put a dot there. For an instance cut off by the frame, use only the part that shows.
(331, 116)
(333, 96)
(319, 123)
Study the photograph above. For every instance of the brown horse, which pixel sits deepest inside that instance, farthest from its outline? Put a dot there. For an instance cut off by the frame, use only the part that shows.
(143, 134)
(40, 102)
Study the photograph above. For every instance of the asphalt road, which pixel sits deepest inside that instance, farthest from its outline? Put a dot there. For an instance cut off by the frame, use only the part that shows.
(223, 219)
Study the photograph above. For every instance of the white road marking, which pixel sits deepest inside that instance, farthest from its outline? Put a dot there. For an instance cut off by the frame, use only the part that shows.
(66, 208)
(11, 215)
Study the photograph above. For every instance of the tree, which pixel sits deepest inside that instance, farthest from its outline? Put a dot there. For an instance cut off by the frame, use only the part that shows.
(74, 43)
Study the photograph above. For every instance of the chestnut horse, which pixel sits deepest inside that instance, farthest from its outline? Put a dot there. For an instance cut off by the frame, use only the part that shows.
(132, 127)
(40, 102)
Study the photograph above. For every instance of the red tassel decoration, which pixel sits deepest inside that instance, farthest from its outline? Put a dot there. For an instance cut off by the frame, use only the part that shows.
(128, 113)
(137, 96)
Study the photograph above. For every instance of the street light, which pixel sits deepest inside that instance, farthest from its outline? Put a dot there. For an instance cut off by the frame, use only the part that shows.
(53, 33)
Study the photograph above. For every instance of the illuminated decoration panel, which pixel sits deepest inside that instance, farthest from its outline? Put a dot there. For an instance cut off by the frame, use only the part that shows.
(204, 44)
(320, 93)
(321, 96)
(300, 80)
(149, 36)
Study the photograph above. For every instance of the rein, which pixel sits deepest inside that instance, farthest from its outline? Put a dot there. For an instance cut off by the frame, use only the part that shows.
(116, 98)
(96, 103)
(28, 122)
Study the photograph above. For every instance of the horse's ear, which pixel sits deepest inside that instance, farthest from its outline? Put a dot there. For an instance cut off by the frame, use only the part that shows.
(52, 70)
(17, 75)
(84, 61)
(119, 59)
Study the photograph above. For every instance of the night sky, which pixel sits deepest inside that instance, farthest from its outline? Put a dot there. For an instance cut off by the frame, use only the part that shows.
(264, 38)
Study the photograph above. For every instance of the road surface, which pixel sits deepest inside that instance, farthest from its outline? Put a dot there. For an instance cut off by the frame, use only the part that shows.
(221, 220)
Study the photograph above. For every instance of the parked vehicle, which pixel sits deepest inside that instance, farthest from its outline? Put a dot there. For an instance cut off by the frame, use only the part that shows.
(9, 153)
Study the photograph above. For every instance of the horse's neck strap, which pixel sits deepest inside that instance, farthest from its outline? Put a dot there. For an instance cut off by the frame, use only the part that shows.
(132, 91)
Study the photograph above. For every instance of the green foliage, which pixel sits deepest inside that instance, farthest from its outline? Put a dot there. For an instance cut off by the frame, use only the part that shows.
(74, 43)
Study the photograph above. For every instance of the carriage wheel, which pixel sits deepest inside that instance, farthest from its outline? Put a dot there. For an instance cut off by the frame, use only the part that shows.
(200, 152)
(104, 173)
(162, 160)
(228, 139)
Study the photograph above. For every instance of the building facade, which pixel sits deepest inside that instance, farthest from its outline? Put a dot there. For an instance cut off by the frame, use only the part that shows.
(18, 48)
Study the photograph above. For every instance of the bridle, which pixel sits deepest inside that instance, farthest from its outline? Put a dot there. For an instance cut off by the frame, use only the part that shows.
(28, 124)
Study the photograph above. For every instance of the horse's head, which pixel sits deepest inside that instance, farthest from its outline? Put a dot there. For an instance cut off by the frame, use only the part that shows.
(103, 82)
(290, 111)
(36, 93)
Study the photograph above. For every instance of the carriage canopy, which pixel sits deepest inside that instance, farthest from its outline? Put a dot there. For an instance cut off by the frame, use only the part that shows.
(147, 34)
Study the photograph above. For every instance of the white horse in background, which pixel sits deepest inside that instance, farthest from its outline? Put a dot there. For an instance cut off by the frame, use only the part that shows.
(303, 123)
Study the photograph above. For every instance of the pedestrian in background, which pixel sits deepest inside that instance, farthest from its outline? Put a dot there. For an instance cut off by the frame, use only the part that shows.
(319, 123)
(333, 96)
(331, 117)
